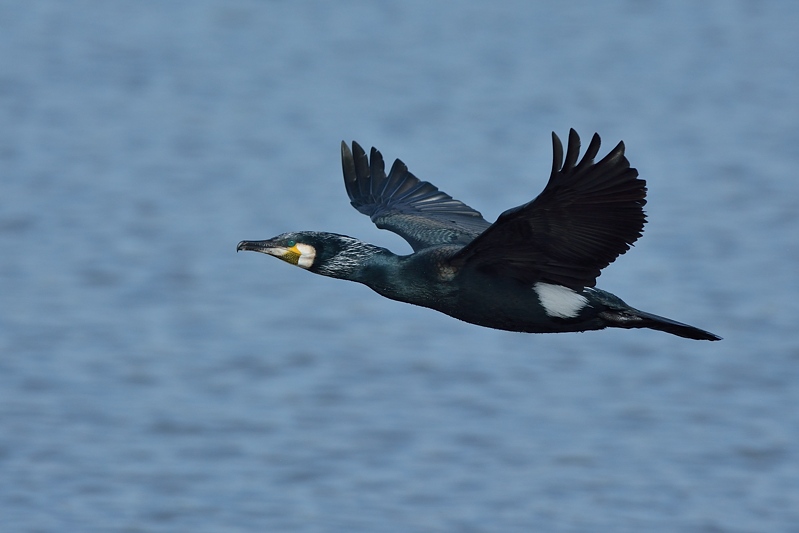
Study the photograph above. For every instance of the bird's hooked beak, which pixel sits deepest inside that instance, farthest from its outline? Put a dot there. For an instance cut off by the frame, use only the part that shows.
(265, 247)
(299, 254)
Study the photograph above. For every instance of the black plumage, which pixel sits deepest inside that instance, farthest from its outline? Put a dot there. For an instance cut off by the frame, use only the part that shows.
(587, 215)
(532, 270)
(415, 210)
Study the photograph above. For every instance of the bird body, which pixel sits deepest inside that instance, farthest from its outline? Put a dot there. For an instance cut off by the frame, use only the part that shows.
(533, 270)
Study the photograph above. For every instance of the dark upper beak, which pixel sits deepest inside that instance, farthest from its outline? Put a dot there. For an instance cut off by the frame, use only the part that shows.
(255, 246)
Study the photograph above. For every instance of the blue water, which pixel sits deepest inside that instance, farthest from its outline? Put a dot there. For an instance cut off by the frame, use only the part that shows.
(151, 379)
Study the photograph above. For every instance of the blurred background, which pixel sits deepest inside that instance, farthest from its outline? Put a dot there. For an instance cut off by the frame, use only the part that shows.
(151, 379)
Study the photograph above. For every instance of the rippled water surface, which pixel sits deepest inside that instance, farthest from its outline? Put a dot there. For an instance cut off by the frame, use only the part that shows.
(151, 379)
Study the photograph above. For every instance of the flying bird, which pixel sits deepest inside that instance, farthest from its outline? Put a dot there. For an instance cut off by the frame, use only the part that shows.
(533, 270)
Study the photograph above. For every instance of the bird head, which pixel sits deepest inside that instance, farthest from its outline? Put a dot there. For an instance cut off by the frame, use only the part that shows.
(328, 254)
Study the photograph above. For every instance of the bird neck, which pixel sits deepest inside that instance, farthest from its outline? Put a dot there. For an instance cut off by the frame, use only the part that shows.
(381, 270)
(357, 261)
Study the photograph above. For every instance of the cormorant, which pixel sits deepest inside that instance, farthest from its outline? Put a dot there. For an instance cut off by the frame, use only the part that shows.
(533, 270)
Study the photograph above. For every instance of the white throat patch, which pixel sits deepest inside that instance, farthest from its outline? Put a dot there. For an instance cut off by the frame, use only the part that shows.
(560, 301)
(307, 255)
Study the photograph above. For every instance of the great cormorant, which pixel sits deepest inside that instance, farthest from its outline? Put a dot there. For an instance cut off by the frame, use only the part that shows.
(533, 270)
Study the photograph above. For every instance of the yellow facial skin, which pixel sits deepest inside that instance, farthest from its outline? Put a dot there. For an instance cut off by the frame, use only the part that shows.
(291, 255)
(300, 254)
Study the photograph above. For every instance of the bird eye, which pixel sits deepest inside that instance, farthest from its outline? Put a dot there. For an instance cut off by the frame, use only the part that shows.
(291, 243)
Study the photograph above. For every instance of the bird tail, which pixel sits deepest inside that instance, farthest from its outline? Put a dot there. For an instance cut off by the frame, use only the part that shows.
(617, 314)
(633, 318)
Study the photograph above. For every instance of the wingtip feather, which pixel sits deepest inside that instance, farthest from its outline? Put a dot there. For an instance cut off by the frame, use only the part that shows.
(557, 154)
(572, 151)
(348, 167)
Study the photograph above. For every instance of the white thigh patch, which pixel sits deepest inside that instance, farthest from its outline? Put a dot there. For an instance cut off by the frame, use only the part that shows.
(560, 301)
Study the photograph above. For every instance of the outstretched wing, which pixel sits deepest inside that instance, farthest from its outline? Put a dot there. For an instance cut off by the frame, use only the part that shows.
(413, 209)
(587, 215)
